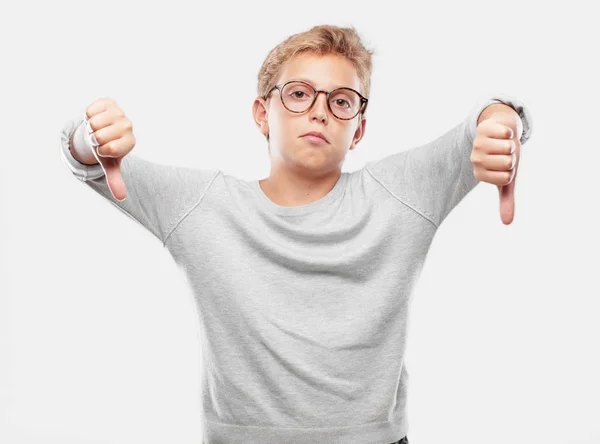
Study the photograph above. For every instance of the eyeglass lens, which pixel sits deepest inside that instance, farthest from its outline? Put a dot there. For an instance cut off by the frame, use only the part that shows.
(298, 97)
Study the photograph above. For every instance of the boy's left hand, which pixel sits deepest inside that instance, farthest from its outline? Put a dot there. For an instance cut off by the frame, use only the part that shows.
(495, 156)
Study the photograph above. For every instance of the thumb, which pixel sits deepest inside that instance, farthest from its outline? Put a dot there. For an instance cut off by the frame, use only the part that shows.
(507, 201)
(114, 180)
(112, 173)
(110, 165)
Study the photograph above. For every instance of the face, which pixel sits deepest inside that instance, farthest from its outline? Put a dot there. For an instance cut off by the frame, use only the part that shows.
(288, 147)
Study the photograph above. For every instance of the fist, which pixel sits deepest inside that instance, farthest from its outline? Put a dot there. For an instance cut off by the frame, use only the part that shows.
(111, 133)
(495, 156)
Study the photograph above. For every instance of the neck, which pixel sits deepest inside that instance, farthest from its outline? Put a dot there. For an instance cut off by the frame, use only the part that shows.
(292, 190)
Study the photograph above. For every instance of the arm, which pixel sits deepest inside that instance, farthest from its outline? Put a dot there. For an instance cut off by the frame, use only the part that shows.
(158, 196)
(433, 178)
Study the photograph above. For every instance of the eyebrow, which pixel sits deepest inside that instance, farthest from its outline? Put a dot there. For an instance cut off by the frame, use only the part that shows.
(313, 83)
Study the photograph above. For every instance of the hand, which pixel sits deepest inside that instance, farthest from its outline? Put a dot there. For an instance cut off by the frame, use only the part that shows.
(112, 139)
(495, 156)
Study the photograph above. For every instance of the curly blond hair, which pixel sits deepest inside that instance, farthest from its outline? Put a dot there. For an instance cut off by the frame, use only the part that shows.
(322, 40)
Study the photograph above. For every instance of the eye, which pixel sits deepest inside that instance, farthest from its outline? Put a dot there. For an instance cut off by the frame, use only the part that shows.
(296, 92)
(343, 101)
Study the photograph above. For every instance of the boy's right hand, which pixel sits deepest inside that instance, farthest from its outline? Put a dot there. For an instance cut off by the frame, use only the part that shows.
(111, 133)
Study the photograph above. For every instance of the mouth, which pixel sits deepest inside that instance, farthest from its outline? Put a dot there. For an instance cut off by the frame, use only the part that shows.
(315, 137)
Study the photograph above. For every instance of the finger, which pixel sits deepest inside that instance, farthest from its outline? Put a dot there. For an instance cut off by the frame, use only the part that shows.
(507, 202)
(111, 142)
(104, 118)
(499, 178)
(496, 130)
(494, 146)
(499, 162)
(99, 106)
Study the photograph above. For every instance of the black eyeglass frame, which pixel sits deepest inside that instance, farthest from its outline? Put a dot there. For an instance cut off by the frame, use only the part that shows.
(363, 105)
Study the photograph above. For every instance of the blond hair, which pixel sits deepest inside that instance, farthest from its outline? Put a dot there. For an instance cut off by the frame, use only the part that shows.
(322, 40)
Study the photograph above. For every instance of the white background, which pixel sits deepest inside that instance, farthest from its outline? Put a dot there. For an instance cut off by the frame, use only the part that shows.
(99, 335)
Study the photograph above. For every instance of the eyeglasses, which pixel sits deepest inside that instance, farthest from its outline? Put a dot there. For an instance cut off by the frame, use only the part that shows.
(298, 96)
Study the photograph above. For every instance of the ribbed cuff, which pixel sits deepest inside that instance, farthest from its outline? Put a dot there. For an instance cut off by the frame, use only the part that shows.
(82, 171)
(511, 101)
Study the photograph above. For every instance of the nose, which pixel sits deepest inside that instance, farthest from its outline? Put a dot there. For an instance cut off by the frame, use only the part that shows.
(319, 108)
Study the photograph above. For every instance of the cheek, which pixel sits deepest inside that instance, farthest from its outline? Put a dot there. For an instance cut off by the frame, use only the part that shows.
(280, 125)
(343, 138)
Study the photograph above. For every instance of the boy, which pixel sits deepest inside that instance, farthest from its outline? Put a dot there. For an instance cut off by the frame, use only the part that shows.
(304, 279)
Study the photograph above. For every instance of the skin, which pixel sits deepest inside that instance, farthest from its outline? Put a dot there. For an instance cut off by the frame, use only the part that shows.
(303, 172)
(496, 153)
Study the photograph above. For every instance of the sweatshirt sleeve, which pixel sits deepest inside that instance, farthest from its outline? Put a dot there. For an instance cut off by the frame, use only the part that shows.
(158, 196)
(433, 178)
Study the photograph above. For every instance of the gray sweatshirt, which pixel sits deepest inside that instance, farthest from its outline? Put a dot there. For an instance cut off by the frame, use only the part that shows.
(303, 310)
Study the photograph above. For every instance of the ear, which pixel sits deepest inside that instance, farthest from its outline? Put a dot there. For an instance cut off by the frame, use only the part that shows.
(260, 115)
(359, 133)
